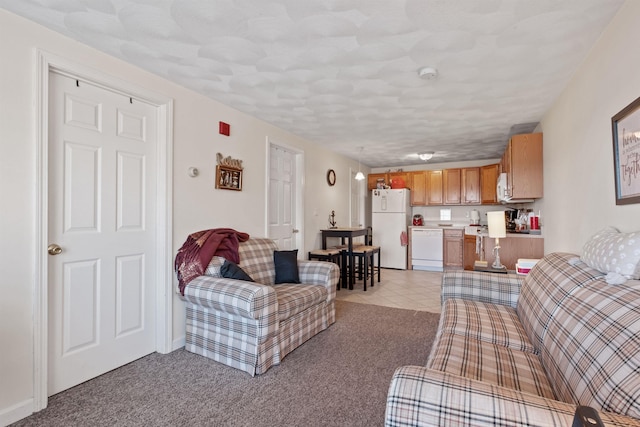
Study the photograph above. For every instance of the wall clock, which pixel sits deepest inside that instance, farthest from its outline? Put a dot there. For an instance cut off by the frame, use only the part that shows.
(331, 177)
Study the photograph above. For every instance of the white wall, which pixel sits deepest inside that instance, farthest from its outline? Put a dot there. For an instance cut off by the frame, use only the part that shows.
(197, 204)
(579, 192)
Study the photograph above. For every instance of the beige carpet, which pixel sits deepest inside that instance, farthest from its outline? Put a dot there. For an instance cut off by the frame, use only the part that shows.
(338, 378)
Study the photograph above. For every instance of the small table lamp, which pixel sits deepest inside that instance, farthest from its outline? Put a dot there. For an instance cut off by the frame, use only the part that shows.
(497, 229)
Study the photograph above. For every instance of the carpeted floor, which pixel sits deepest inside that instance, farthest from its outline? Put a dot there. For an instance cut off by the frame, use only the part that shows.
(338, 378)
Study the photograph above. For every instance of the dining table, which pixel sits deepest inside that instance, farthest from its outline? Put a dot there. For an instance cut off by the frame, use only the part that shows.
(348, 259)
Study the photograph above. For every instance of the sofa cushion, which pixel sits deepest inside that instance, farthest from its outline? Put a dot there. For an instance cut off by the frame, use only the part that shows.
(483, 361)
(214, 266)
(256, 259)
(591, 352)
(610, 251)
(286, 265)
(231, 270)
(295, 298)
(546, 286)
(492, 323)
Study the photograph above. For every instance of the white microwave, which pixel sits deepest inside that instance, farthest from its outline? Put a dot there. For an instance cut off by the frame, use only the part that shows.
(501, 189)
(502, 192)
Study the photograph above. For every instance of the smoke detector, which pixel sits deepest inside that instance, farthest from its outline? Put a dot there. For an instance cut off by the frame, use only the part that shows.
(427, 73)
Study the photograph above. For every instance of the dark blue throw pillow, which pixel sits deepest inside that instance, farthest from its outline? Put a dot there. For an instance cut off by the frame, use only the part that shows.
(231, 270)
(286, 263)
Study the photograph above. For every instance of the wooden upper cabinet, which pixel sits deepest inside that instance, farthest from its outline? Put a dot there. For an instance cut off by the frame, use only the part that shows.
(471, 186)
(461, 186)
(488, 181)
(419, 188)
(403, 176)
(372, 180)
(525, 166)
(452, 184)
(434, 188)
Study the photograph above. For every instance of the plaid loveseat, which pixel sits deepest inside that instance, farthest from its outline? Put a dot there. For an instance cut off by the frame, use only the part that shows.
(513, 351)
(252, 325)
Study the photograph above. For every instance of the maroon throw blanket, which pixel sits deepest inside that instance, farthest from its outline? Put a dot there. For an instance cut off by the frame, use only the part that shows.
(196, 252)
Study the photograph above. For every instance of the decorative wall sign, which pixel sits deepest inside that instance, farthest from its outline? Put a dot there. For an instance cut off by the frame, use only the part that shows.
(228, 173)
(626, 153)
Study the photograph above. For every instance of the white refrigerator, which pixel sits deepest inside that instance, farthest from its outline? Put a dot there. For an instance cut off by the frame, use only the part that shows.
(390, 217)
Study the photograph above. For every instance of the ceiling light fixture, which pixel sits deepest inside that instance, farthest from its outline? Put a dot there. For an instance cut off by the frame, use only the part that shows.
(427, 73)
(426, 156)
(359, 175)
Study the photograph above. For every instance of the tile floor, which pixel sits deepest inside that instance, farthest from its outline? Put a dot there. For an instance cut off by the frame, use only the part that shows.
(409, 289)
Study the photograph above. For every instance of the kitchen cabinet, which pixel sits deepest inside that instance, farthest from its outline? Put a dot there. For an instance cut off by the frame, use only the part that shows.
(522, 162)
(513, 247)
(403, 176)
(372, 180)
(488, 179)
(453, 248)
(460, 186)
(434, 188)
(469, 252)
(419, 188)
(471, 186)
(452, 183)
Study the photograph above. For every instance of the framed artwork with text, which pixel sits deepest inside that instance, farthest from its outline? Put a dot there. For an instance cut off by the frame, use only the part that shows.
(626, 153)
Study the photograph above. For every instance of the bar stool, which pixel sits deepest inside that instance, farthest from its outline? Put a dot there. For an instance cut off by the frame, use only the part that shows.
(329, 255)
(368, 250)
(364, 255)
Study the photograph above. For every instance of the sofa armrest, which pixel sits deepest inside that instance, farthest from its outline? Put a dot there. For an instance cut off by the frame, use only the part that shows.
(237, 297)
(423, 397)
(493, 288)
(320, 273)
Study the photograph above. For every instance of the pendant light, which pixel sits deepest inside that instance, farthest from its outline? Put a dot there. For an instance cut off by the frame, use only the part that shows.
(359, 175)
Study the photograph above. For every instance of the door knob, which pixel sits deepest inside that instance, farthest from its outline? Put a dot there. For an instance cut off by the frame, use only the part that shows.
(295, 230)
(54, 249)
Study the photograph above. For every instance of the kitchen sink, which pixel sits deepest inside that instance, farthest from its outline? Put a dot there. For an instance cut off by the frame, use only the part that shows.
(476, 230)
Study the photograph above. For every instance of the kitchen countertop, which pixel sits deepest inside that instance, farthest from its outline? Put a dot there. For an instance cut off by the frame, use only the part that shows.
(442, 225)
(472, 230)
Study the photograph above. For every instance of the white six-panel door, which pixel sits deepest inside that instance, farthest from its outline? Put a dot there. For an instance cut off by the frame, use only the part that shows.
(282, 195)
(102, 157)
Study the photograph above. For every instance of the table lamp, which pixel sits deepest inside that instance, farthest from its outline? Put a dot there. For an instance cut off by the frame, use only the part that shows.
(497, 229)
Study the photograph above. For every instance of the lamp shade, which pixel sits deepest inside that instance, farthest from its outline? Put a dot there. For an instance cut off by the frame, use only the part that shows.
(359, 176)
(497, 224)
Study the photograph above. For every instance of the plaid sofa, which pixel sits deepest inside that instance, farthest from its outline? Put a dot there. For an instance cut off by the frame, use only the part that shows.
(253, 326)
(514, 351)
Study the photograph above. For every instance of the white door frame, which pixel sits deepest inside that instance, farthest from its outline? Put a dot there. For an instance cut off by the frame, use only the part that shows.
(299, 191)
(164, 229)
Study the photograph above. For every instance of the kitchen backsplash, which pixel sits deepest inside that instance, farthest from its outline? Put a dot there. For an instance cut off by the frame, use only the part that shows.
(459, 214)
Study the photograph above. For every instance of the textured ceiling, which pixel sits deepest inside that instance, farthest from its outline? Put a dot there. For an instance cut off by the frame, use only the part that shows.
(343, 73)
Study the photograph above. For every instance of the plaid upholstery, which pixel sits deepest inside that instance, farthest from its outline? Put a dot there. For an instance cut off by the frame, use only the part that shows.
(252, 326)
(545, 288)
(591, 350)
(256, 258)
(501, 289)
(294, 298)
(491, 363)
(492, 323)
(500, 359)
(424, 397)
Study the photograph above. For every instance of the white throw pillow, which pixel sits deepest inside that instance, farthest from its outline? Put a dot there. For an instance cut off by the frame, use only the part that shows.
(213, 269)
(610, 251)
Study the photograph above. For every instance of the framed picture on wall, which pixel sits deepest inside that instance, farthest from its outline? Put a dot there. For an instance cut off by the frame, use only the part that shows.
(228, 178)
(626, 153)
